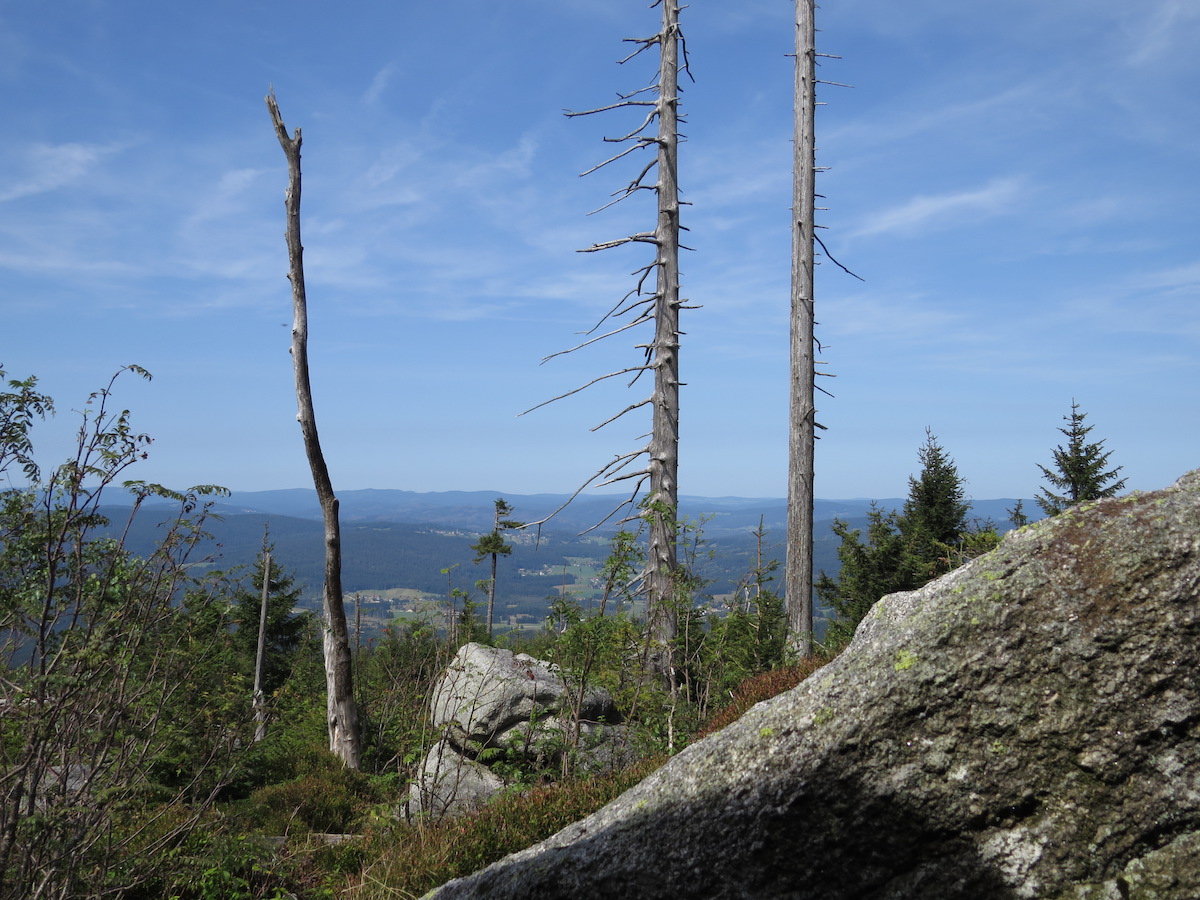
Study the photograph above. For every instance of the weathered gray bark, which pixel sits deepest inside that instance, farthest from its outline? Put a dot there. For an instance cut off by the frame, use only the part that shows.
(660, 474)
(664, 441)
(342, 712)
(798, 577)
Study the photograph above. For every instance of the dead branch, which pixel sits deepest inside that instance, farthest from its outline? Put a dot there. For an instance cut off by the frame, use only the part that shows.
(600, 337)
(644, 142)
(619, 462)
(650, 117)
(643, 299)
(648, 89)
(642, 237)
(620, 309)
(629, 189)
(830, 257)
(646, 44)
(571, 113)
(630, 408)
(583, 387)
(629, 501)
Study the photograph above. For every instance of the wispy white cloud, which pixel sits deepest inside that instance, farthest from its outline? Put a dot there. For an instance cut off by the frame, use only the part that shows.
(1095, 210)
(378, 85)
(516, 162)
(229, 197)
(47, 260)
(1183, 279)
(737, 173)
(884, 128)
(901, 317)
(52, 166)
(1161, 303)
(391, 162)
(1161, 28)
(922, 212)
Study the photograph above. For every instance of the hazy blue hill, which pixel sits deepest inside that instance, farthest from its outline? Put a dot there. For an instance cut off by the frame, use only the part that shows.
(375, 555)
(472, 510)
(394, 539)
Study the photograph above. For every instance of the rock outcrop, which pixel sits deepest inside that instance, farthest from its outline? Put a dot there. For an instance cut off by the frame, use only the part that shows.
(1025, 727)
(500, 712)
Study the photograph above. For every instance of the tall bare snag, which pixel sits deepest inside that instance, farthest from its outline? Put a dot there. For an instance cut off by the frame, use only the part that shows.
(344, 734)
(798, 579)
(660, 306)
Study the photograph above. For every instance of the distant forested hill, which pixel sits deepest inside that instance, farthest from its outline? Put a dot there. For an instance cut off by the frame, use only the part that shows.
(403, 539)
(376, 555)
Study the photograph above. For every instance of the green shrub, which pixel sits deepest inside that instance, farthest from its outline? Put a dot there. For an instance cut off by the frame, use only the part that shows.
(326, 801)
(208, 863)
(416, 858)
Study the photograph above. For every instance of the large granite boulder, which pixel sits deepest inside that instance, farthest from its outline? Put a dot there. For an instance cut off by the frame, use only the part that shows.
(486, 692)
(1027, 726)
(451, 783)
(501, 713)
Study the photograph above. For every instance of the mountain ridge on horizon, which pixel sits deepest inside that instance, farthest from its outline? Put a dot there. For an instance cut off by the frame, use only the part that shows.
(409, 539)
(475, 509)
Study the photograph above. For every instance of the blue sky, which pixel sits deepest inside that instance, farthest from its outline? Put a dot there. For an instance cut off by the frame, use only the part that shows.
(1015, 181)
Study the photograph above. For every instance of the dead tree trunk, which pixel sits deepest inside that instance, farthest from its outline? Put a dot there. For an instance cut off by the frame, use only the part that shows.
(798, 579)
(342, 712)
(260, 703)
(664, 441)
(659, 476)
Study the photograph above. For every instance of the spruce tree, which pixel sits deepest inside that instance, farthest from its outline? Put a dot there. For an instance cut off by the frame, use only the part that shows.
(1079, 469)
(935, 506)
(868, 571)
(903, 551)
(935, 513)
(286, 631)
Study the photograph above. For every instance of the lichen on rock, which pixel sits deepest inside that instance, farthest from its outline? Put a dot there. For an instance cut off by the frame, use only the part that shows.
(1024, 727)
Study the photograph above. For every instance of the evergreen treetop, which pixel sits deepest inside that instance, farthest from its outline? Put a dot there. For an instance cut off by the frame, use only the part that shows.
(935, 508)
(286, 631)
(905, 550)
(1079, 469)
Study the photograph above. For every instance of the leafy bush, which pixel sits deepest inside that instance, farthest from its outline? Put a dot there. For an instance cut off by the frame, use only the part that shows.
(117, 722)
